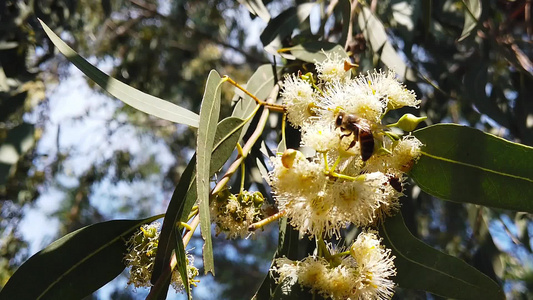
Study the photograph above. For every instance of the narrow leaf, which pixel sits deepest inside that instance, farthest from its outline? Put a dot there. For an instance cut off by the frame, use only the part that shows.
(184, 196)
(209, 113)
(463, 164)
(181, 257)
(257, 8)
(314, 51)
(472, 13)
(427, 7)
(75, 265)
(422, 267)
(375, 33)
(345, 8)
(131, 96)
(283, 25)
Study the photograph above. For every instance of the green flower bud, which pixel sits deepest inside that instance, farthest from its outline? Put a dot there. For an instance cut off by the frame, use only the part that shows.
(408, 122)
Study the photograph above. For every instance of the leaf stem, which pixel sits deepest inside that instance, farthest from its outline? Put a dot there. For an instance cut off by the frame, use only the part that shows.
(269, 105)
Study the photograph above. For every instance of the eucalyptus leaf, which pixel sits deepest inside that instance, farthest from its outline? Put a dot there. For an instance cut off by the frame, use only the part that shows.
(463, 164)
(181, 257)
(422, 267)
(472, 13)
(75, 265)
(283, 25)
(127, 94)
(315, 51)
(184, 196)
(257, 8)
(345, 7)
(209, 112)
(375, 34)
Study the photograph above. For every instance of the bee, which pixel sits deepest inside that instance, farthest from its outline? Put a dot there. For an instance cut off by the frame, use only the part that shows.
(360, 128)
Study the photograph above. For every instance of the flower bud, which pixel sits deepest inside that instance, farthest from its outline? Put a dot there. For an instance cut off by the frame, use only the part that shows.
(288, 157)
(408, 122)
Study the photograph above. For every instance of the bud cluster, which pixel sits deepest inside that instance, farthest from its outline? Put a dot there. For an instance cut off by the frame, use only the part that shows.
(233, 214)
(142, 248)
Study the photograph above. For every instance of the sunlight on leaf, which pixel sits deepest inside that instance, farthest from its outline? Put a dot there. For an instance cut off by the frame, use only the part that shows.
(144, 102)
(75, 265)
(209, 113)
(463, 164)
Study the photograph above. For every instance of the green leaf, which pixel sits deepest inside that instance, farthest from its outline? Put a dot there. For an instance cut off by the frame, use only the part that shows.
(283, 25)
(426, 17)
(133, 97)
(463, 164)
(75, 265)
(257, 8)
(260, 85)
(181, 257)
(422, 267)
(346, 9)
(375, 34)
(184, 196)
(314, 51)
(178, 209)
(472, 14)
(209, 113)
(18, 141)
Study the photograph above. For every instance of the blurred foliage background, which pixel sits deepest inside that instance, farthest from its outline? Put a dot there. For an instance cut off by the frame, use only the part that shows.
(166, 48)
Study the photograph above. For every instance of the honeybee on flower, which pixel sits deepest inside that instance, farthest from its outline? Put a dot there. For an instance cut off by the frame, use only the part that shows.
(356, 175)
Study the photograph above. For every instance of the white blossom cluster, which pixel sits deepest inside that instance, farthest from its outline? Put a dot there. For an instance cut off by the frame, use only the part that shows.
(340, 119)
(142, 249)
(364, 274)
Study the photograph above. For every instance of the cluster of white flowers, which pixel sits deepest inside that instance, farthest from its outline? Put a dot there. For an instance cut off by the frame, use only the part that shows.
(142, 248)
(364, 274)
(357, 173)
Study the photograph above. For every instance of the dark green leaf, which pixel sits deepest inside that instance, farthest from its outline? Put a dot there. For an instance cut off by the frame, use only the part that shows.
(283, 25)
(375, 34)
(346, 9)
(315, 51)
(426, 16)
(463, 164)
(421, 267)
(184, 196)
(18, 141)
(256, 7)
(178, 209)
(181, 257)
(472, 13)
(133, 97)
(209, 113)
(75, 265)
